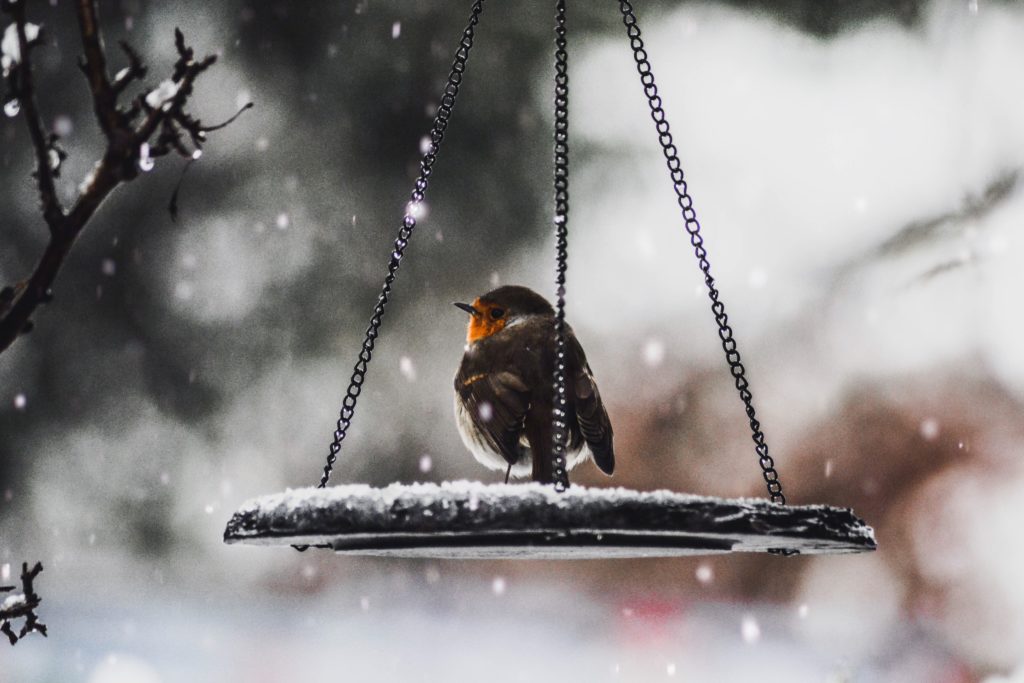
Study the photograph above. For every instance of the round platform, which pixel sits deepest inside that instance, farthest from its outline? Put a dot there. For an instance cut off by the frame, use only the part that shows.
(488, 521)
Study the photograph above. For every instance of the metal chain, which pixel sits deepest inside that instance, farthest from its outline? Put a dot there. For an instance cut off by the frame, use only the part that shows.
(732, 355)
(559, 432)
(444, 112)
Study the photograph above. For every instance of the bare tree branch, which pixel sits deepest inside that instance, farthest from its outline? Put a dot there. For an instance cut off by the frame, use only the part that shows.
(22, 606)
(131, 146)
(94, 65)
(24, 90)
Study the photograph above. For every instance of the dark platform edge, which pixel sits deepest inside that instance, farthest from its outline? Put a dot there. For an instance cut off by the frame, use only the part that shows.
(650, 521)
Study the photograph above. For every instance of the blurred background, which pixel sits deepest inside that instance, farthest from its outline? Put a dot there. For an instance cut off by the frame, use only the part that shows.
(856, 167)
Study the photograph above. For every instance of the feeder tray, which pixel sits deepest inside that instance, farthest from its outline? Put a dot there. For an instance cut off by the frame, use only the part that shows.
(469, 520)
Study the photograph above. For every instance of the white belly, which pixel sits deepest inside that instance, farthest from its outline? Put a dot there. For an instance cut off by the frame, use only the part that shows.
(493, 460)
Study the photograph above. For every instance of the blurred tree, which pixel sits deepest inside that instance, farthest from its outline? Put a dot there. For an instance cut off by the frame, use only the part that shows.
(154, 124)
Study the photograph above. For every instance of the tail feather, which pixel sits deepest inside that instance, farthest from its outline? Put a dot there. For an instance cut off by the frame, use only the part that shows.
(595, 426)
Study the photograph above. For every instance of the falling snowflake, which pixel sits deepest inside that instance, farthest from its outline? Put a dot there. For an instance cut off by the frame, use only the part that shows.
(654, 352)
(417, 210)
(243, 98)
(407, 369)
(757, 278)
(930, 429)
(750, 630)
(63, 126)
(184, 290)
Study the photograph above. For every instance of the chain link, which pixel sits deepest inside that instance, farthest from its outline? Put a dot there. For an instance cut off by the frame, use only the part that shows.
(559, 431)
(437, 131)
(725, 333)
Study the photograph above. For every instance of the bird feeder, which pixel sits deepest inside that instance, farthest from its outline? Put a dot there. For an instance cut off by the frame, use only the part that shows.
(474, 520)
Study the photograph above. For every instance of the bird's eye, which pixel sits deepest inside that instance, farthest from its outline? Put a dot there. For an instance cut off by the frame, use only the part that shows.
(497, 313)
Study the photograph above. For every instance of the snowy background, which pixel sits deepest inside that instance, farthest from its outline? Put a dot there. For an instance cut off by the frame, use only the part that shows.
(857, 169)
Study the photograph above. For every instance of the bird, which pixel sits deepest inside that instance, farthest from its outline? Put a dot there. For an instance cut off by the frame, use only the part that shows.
(504, 389)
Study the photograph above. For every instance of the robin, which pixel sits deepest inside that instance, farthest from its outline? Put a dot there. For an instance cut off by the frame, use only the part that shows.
(504, 389)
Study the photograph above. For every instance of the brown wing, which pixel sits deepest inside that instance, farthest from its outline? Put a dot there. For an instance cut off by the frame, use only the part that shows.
(591, 415)
(497, 404)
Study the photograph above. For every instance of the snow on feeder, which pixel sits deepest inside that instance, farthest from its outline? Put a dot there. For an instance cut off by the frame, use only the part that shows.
(474, 520)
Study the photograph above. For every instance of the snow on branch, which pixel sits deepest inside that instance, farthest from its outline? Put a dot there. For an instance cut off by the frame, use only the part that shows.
(153, 124)
(22, 606)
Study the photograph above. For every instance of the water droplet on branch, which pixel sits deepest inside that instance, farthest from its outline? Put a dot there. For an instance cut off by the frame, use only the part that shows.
(146, 162)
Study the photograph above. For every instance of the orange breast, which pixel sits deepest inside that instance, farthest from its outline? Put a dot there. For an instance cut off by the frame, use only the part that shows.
(483, 325)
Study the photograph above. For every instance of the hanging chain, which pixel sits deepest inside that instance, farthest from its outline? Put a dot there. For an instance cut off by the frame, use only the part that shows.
(732, 355)
(559, 432)
(444, 112)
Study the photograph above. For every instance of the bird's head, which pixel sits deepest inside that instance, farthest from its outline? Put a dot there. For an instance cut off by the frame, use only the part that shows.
(495, 310)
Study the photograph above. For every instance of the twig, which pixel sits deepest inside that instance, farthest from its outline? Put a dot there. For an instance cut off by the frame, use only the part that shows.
(26, 94)
(94, 65)
(135, 71)
(130, 145)
(23, 608)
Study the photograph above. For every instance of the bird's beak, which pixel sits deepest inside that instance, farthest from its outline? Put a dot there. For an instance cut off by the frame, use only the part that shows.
(467, 308)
